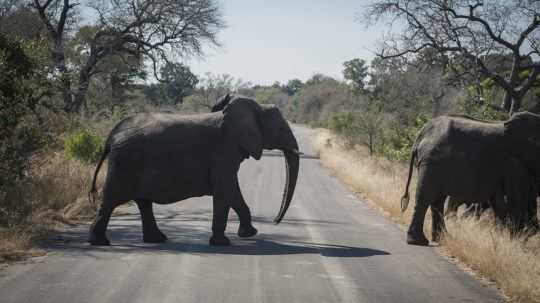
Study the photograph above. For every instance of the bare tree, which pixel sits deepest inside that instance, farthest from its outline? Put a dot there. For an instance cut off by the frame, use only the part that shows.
(153, 30)
(370, 122)
(55, 14)
(470, 32)
(211, 87)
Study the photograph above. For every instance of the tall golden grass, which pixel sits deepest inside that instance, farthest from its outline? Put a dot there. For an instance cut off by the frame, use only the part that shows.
(54, 194)
(513, 263)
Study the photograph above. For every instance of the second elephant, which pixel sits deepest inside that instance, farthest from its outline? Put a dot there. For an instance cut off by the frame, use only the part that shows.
(470, 160)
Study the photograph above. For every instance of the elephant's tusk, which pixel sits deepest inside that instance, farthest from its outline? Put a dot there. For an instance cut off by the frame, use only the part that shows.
(297, 152)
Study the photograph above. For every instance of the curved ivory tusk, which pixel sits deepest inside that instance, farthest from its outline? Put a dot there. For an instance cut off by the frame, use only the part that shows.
(297, 152)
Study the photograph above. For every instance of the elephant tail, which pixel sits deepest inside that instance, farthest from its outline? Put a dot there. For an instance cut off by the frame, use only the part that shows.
(93, 191)
(405, 197)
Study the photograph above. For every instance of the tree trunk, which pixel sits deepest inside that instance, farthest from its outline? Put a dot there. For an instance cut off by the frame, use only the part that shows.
(80, 95)
(370, 136)
(60, 64)
(117, 90)
(507, 102)
(516, 105)
(84, 82)
(512, 101)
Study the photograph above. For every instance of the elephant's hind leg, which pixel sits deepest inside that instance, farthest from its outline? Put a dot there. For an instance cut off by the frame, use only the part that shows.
(415, 234)
(437, 219)
(426, 194)
(97, 234)
(151, 232)
(219, 222)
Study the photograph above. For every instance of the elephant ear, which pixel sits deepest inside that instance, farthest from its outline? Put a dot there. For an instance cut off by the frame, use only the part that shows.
(524, 126)
(241, 125)
(221, 103)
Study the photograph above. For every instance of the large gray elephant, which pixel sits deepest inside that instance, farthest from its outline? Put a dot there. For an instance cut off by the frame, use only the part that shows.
(471, 160)
(164, 158)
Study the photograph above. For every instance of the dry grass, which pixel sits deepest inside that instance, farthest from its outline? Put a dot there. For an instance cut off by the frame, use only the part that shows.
(55, 194)
(513, 263)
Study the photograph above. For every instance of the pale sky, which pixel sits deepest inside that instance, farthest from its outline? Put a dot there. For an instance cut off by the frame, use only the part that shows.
(268, 41)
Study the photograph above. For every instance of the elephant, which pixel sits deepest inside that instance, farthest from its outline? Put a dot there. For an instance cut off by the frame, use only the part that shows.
(164, 158)
(471, 160)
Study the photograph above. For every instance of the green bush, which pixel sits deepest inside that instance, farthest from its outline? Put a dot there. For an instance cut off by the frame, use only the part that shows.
(397, 142)
(84, 145)
(21, 129)
(345, 125)
(342, 123)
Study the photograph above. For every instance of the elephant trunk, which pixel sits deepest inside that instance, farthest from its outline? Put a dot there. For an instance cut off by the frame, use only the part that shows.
(292, 163)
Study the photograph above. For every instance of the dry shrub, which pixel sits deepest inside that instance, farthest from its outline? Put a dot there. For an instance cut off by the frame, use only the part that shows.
(512, 262)
(53, 194)
(62, 184)
(13, 244)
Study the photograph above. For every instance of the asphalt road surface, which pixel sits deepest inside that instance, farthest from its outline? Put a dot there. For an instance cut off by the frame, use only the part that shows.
(330, 247)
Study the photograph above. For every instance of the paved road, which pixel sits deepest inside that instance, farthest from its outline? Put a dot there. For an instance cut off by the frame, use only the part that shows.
(331, 247)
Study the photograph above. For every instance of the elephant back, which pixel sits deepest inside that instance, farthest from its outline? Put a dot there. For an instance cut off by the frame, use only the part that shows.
(454, 137)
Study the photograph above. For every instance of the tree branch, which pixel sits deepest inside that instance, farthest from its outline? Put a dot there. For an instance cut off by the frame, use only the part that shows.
(487, 27)
(534, 25)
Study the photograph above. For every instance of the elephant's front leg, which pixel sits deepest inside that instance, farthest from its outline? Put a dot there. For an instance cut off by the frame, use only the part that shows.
(239, 205)
(151, 232)
(219, 221)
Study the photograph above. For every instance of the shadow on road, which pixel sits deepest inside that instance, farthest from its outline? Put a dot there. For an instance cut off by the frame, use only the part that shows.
(194, 240)
(271, 247)
(239, 247)
(187, 235)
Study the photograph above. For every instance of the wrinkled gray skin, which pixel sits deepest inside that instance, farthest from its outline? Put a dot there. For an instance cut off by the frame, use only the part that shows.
(471, 160)
(498, 203)
(164, 158)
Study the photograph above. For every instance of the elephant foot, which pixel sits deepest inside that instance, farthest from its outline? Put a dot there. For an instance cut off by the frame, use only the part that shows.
(247, 231)
(417, 240)
(154, 237)
(219, 241)
(98, 240)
